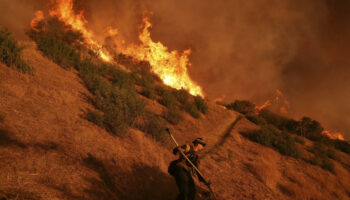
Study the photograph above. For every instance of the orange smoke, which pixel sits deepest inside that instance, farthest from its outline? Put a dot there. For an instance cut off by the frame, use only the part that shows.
(170, 66)
(63, 10)
(334, 135)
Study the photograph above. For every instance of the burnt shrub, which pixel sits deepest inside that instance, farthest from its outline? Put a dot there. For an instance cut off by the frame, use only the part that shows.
(256, 119)
(11, 53)
(243, 107)
(201, 104)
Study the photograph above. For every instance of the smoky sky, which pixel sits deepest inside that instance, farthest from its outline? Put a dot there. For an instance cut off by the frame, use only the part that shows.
(240, 49)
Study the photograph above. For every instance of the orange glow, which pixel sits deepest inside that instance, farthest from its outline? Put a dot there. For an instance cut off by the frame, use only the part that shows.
(39, 16)
(64, 11)
(334, 135)
(278, 96)
(170, 66)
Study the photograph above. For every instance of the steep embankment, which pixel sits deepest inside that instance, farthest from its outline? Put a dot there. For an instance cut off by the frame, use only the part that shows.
(48, 150)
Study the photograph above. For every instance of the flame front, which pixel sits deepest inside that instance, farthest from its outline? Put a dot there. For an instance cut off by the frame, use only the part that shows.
(170, 66)
(278, 95)
(64, 11)
(334, 135)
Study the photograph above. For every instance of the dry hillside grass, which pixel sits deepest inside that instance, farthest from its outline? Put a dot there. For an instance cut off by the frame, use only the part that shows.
(48, 150)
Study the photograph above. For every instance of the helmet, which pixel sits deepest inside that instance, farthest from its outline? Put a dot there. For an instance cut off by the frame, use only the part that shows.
(199, 140)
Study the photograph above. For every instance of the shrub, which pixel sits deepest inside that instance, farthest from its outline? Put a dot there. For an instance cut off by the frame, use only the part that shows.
(168, 99)
(286, 145)
(321, 156)
(271, 136)
(266, 136)
(201, 104)
(256, 119)
(342, 146)
(148, 92)
(274, 119)
(182, 96)
(243, 107)
(113, 89)
(173, 116)
(10, 53)
(192, 109)
(95, 117)
(299, 140)
(160, 90)
(155, 126)
(311, 129)
(58, 41)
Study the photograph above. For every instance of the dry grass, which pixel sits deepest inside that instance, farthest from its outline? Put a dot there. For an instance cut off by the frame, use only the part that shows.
(53, 152)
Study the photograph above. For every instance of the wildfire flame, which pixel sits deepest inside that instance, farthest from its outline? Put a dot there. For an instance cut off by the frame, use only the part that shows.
(334, 135)
(278, 95)
(170, 66)
(63, 10)
(39, 16)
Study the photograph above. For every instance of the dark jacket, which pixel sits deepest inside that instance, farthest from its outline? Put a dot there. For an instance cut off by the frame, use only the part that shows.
(188, 150)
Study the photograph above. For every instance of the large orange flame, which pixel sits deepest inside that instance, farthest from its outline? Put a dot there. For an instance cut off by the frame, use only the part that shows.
(334, 135)
(170, 66)
(64, 11)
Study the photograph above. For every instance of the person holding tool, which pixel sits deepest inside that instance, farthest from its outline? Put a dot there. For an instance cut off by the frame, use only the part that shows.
(186, 166)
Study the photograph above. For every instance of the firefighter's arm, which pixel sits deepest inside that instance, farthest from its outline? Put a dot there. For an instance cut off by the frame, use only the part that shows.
(177, 149)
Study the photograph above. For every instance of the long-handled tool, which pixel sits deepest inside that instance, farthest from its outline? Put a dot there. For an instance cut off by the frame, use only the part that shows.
(194, 166)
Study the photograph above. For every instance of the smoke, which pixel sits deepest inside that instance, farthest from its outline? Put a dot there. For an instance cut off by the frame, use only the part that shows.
(17, 14)
(240, 49)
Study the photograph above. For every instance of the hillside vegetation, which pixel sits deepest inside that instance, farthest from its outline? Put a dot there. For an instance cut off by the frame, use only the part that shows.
(83, 129)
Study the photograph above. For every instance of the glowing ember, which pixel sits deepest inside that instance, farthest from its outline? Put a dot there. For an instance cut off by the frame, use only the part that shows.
(334, 135)
(170, 66)
(64, 11)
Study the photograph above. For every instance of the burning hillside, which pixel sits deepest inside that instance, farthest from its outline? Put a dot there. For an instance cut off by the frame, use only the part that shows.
(170, 66)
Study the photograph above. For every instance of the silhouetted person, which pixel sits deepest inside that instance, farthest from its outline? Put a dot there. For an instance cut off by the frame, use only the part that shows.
(183, 171)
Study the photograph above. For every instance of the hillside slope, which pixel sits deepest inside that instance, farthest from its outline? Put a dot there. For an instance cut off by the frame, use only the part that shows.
(48, 150)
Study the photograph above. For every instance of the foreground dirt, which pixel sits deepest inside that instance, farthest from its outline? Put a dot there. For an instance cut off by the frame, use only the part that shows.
(48, 150)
